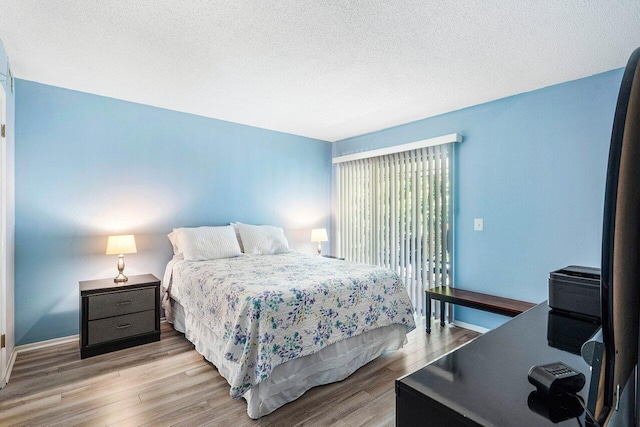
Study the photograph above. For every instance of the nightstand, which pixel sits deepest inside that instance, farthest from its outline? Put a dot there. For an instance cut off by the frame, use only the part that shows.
(114, 316)
(333, 257)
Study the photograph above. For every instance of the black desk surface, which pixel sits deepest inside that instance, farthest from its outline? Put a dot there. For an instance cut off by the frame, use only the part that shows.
(485, 382)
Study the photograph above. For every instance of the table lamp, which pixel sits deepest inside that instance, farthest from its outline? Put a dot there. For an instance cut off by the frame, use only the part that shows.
(120, 245)
(319, 235)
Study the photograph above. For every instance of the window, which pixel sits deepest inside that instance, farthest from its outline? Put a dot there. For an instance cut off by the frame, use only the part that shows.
(395, 210)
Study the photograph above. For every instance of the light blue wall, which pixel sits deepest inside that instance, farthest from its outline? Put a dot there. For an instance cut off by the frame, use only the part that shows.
(89, 166)
(9, 175)
(533, 167)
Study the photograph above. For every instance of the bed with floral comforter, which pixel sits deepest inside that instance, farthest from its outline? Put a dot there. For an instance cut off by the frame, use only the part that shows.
(270, 309)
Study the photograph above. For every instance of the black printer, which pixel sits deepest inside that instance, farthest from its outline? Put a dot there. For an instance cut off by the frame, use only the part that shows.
(575, 290)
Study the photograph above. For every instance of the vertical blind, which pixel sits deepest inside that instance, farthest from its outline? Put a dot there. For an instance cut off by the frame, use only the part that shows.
(395, 211)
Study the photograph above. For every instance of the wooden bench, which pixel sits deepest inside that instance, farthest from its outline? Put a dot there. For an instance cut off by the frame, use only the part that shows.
(491, 303)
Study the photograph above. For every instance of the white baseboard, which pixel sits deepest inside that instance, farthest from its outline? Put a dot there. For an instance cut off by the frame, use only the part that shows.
(44, 344)
(12, 361)
(470, 326)
(56, 341)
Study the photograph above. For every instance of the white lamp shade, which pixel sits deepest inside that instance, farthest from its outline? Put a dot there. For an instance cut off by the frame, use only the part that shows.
(319, 235)
(120, 245)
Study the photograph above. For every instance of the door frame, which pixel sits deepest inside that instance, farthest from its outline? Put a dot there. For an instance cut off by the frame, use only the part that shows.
(4, 357)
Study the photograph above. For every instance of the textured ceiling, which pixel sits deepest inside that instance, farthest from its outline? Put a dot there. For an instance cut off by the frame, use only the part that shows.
(324, 69)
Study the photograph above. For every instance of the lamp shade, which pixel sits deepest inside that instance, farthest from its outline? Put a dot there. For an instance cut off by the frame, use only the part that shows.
(120, 245)
(319, 235)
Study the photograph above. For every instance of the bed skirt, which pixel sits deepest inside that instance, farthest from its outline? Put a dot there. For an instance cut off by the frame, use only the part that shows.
(293, 378)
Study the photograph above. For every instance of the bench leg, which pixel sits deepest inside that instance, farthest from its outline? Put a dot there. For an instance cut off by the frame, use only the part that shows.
(441, 313)
(428, 313)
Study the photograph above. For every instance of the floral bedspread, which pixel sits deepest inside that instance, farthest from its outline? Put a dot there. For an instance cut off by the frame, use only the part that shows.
(270, 309)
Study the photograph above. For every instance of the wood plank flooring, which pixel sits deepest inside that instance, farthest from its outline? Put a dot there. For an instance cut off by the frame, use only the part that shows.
(167, 383)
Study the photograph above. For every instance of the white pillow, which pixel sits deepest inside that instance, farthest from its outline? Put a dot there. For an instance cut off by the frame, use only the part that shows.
(173, 238)
(238, 236)
(203, 243)
(262, 239)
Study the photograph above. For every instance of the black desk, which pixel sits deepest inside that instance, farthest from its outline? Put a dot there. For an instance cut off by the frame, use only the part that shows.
(485, 382)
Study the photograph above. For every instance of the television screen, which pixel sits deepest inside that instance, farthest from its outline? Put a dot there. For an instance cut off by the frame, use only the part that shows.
(621, 243)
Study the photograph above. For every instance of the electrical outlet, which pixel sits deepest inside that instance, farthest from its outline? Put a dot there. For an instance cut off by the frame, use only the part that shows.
(478, 224)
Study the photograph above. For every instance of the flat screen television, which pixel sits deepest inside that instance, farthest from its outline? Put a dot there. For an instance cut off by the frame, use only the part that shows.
(620, 280)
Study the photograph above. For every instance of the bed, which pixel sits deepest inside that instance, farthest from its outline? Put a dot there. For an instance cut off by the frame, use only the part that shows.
(278, 324)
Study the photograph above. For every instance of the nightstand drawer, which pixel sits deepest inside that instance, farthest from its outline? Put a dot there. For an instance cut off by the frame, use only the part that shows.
(113, 328)
(118, 303)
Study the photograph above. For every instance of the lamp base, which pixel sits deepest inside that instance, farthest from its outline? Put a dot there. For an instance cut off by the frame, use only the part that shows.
(120, 278)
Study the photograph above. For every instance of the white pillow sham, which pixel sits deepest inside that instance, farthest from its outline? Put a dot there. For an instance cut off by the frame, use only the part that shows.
(203, 243)
(173, 238)
(262, 239)
(237, 235)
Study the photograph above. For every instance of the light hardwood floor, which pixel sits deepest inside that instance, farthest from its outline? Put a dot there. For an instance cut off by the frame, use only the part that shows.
(168, 383)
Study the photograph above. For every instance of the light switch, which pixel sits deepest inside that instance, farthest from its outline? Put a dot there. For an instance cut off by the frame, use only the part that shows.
(478, 224)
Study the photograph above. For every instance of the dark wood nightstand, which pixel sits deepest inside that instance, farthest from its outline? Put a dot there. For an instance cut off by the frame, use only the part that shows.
(114, 316)
(333, 257)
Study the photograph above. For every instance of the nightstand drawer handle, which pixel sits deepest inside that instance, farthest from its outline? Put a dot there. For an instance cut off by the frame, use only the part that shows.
(124, 326)
(123, 303)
